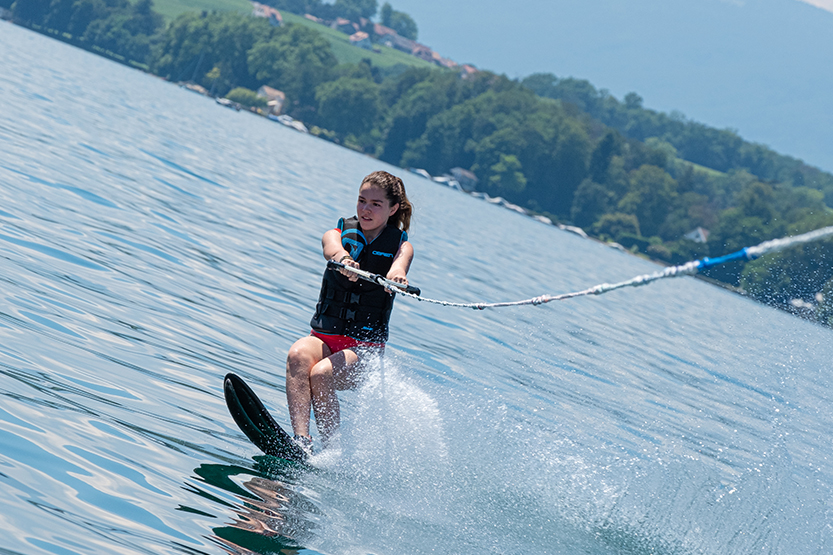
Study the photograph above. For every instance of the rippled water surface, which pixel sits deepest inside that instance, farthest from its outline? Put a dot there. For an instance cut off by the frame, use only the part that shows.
(151, 241)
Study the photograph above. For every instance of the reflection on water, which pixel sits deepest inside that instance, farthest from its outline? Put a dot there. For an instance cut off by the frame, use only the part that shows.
(270, 515)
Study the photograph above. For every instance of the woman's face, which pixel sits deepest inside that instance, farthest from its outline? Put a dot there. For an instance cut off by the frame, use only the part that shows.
(373, 208)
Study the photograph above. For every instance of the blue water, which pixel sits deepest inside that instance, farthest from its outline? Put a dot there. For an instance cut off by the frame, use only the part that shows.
(151, 241)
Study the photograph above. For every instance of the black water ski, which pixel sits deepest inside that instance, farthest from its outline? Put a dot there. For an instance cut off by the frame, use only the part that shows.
(256, 422)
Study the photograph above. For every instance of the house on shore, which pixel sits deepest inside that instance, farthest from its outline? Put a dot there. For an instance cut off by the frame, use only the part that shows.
(381, 31)
(362, 40)
(399, 43)
(416, 49)
(466, 179)
(443, 62)
(345, 26)
(390, 38)
(698, 235)
(193, 87)
(275, 99)
(422, 52)
(467, 70)
(270, 13)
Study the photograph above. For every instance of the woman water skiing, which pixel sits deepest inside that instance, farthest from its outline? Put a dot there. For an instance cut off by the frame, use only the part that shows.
(351, 317)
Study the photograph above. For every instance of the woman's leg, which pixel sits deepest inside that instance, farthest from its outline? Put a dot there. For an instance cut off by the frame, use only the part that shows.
(332, 373)
(303, 355)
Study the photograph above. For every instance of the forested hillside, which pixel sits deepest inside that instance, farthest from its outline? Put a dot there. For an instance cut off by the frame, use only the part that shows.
(558, 147)
(719, 149)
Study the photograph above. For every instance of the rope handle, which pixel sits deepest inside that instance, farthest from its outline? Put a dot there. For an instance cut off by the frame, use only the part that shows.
(374, 278)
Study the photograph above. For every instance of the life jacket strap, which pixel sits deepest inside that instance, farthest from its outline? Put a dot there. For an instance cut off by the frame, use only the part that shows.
(352, 298)
(345, 297)
(349, 314)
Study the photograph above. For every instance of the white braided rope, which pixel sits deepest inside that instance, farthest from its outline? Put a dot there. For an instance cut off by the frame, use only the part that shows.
(687, 269)
(776, 245)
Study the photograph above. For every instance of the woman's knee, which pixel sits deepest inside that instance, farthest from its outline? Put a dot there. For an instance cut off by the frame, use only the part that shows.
(302, 356)
(321, 372)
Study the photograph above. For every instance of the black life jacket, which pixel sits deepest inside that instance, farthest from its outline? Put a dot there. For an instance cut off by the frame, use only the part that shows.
(359, 309)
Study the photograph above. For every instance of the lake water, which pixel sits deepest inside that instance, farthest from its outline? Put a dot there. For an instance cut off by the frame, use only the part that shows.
(153, 241)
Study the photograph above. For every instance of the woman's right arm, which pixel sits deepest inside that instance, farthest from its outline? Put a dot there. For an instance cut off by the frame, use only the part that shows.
(331, 243)
(334, 250)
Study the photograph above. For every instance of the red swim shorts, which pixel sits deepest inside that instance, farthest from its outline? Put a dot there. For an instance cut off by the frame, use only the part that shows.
(338, 343)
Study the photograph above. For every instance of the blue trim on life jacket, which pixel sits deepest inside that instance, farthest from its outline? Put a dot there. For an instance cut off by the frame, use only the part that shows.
(359, 309)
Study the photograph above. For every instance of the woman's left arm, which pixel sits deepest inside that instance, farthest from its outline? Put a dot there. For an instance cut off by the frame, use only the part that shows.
(401, 264)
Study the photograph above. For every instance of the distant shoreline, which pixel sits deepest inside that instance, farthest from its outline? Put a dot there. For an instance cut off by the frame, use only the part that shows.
(640, 243)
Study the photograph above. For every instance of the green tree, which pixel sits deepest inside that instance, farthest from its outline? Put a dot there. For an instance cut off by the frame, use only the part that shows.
(652, 192)
(400, 22)
(508, 120)
(611, 145)
(362, 70)
(355, 9)
(84, 13)
(569, 166)
(662, 153)
(757, 200)
(296, 60)
(110, 34)
(616, 178)
(726, 187)
(348, 105)
(578, 92)
(473, 133)
(688, 211)
(397, 86)
(246, 97)
(506, 175)
(615, 225)
(414, 98)
(113, 34)
(446, 141)
(490, 150)
(633, 101)
(590, 202)
(407, 120)
(30, 11)
(194, 43)
(295, 6)
(59, 14)
(796, 203)
(121, 27)
(143, 20)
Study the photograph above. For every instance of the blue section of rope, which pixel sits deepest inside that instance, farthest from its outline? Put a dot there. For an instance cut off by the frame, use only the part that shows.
(709, 262)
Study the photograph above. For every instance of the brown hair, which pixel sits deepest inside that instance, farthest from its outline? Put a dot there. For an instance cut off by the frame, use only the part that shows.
(395, 192)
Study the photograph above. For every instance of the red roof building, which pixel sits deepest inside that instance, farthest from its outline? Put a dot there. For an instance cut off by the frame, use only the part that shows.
(270, 13)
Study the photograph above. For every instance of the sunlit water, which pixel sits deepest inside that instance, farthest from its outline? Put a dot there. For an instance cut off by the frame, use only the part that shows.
(152, 241)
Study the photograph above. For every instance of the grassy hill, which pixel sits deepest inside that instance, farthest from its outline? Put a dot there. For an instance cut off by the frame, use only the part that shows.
(345, 52)
(170, 9)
